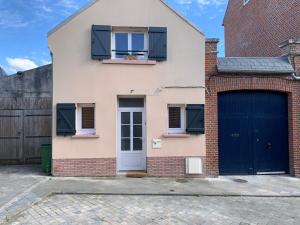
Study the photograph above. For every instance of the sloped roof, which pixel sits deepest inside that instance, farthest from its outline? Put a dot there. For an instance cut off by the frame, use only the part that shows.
(2, 72)
(263, 65)
(92, 2)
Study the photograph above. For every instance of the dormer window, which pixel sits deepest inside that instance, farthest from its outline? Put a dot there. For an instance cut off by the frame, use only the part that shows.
(130, 45)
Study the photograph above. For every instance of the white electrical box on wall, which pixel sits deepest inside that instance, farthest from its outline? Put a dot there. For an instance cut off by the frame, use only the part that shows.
(156, 144)
(193, 165)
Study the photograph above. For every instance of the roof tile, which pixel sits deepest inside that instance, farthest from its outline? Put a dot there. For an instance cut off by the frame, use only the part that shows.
(276, 65)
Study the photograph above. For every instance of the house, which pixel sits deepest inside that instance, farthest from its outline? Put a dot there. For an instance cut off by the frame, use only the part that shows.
(252, 113)
(128, 91)
(256, 28)
(25, 115)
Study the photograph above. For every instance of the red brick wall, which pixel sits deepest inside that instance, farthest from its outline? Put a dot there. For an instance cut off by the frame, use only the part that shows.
(169, 167)
(156, 167)
(258, 28)
(297, 64)
(216, 83)
(84, 167)
(291, 48)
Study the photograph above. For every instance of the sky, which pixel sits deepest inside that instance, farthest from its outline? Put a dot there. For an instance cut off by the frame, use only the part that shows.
(24, 25)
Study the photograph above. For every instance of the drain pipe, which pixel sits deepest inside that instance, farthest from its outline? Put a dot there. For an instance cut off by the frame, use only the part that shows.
(295, 77)
(294, 74)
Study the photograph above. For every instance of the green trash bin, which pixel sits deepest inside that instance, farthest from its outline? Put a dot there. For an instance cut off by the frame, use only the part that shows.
(46, 156)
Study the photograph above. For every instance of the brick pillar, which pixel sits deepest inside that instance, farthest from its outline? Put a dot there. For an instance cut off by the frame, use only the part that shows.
(211, 51)
(211, 116)
(291, 48)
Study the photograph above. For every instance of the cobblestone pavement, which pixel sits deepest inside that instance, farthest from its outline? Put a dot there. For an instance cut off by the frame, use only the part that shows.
(133, 210)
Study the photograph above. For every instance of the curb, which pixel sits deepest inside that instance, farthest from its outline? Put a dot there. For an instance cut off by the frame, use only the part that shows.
(175, 194)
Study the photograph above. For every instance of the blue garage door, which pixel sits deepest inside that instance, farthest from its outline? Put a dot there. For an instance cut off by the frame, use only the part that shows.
(253, 132)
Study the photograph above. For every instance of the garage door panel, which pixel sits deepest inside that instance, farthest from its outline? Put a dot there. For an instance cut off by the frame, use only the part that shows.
(234, 104)
(253, 132)
(235, 134)
(271, 152)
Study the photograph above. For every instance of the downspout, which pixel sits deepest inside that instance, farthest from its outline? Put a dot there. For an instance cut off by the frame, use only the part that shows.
(294, 75)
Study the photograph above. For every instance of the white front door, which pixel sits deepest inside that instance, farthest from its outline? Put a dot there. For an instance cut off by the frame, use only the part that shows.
(131, 140)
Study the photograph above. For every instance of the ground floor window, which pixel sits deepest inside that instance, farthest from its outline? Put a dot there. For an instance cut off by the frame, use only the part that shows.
(176, 122)
(86, 119)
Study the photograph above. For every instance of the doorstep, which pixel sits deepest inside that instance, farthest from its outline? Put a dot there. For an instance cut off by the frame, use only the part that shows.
(133, 174)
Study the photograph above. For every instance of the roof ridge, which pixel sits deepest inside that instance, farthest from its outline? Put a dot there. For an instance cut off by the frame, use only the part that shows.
(92, 2)
(69, 18)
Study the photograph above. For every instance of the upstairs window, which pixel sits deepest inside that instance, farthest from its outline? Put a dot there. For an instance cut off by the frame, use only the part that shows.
(135, 43)
(130, 45)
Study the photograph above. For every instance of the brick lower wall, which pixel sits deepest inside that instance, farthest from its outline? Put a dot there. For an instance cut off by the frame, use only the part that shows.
(169, 167)
(156, 167)
(84, 167)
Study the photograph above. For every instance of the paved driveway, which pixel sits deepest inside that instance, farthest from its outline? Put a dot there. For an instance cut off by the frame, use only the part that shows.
(29, 197)
(107, 209)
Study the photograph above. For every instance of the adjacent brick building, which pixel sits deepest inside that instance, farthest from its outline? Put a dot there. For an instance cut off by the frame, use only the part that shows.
(259, 26)
(267, 77)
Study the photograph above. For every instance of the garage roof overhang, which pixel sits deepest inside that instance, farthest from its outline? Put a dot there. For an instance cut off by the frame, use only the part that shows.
(257, 65)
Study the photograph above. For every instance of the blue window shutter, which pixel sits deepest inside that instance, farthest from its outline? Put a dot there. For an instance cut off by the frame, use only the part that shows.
(158, 43)
(195, 119)
(65, 117)
(101, 42)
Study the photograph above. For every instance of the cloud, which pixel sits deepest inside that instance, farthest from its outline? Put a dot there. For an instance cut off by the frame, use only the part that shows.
(46, 8)
(210, 2)
(200, 3)
(20, 64)
(45, 62)
(68, 4)
(184, 2)
(2, 71)
(21, 13)
(10, 19)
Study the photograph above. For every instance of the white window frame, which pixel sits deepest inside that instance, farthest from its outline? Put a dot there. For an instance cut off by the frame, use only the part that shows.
(146, 44)
(182, 129)
(246, 2)
(79, 129)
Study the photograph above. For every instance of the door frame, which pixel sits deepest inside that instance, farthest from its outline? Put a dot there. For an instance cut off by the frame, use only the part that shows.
(254, 149)
(118, 136)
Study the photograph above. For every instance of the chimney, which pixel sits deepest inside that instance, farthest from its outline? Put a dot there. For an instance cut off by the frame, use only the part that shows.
(291, 48)
(211, 56)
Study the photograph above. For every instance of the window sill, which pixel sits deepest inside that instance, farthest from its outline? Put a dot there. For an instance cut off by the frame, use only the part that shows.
(176, 135)
(129, 62)
(85, 136)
